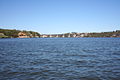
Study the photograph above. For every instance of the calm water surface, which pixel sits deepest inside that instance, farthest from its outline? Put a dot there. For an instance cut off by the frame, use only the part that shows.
(60, 59)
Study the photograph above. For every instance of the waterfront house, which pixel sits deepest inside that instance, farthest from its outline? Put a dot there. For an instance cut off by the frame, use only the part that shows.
(44, 36)
(2, 35)
(22, 35)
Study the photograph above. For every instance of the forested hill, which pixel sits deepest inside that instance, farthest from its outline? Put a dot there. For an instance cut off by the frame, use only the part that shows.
(13, 33)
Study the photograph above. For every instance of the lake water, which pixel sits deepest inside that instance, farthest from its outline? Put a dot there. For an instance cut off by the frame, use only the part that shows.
(60, 59)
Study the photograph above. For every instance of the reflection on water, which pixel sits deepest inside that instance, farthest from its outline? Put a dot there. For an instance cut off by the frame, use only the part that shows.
(60, 59)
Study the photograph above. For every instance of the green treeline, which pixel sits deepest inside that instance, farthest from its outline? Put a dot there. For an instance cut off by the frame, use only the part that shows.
(105, 34)
(8, 33)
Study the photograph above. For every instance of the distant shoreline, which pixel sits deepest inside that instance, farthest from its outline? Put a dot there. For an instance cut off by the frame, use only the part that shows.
(12, 33)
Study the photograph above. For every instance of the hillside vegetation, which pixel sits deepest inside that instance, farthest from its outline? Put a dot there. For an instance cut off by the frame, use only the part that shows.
(8, 33)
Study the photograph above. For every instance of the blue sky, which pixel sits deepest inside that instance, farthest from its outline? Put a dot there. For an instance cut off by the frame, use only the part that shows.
(60, 16)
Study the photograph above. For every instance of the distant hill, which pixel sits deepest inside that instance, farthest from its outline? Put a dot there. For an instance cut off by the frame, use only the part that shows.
(105, 34)
(13, 33)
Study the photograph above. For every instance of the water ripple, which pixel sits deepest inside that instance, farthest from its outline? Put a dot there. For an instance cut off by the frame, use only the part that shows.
(60, 59)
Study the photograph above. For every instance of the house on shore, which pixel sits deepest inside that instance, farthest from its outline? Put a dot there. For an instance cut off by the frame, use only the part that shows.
(23, 35)
(2, 35)
(44, 36)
